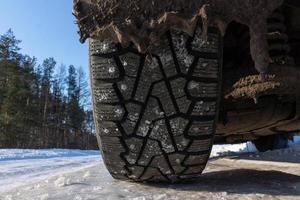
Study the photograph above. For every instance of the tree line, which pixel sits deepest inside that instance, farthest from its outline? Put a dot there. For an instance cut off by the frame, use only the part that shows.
(42, 105)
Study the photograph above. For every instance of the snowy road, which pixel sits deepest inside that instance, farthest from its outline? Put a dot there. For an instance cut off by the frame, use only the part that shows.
(22, 167)
(77, 175)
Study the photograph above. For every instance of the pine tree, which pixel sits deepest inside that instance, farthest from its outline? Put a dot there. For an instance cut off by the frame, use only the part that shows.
(40, 108)
(9, 49)
(48, 69)
(15, 89)
(75, 112)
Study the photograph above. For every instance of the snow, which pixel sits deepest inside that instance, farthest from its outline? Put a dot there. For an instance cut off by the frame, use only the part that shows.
(37, 169)
(21, 166)
(21, 154)
(220, 150)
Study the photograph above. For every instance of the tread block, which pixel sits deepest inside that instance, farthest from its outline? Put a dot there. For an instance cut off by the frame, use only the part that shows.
(110, 113)
(142, 91)
(109, 129)
(178, 125)
(200, 145)
(149, 74)
(178, 87)
(161, 134)
(198, 89)
(184, 59)
(183, 104)
(134, 146)
(176, 161)
(181, 142)
(131, 63)
(204, 108)
(206, 68)
(132, 118)
(136, 172)
(104, 68)
(162, 164)
(101, 47)
(199, 128)
(153, 110)
(160, 91)
(151, 149)
(153, 70)
(105, 93)
(111, 144)
(151, 113)
(194, 170)
(209, 46)
(153, 175)
(168, 63)
(115, 163)
(196, 160)
(126, 87)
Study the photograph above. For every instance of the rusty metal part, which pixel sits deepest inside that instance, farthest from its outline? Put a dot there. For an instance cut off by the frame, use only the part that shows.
(143, 22)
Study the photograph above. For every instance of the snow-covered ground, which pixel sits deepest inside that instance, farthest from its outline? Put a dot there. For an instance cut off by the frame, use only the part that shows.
(25, 154)
(20, 168)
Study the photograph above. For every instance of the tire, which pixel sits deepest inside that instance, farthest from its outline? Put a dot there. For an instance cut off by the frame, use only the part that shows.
(156, 118)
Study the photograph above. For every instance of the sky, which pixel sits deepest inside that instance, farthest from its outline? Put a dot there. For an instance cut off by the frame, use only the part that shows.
(47, 29)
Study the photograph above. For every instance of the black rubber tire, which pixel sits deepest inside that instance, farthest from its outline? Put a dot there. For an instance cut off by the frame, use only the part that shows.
(156, 118)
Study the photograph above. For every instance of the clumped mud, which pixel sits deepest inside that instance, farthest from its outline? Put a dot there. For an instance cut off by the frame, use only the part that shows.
(143, 22)
(281, 80)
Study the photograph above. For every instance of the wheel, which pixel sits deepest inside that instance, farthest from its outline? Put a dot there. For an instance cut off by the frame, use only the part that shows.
(271, 142)
(156, 117)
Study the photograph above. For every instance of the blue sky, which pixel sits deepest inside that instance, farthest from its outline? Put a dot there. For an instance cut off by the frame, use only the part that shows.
(47, 29)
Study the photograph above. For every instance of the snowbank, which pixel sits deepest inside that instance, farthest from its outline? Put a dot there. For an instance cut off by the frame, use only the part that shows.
(22, 154)
(221, 150)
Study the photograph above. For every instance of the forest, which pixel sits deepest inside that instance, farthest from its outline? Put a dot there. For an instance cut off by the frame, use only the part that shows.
(42, 105)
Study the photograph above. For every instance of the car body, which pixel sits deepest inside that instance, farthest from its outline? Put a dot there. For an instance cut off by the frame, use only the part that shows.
(254, 43)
